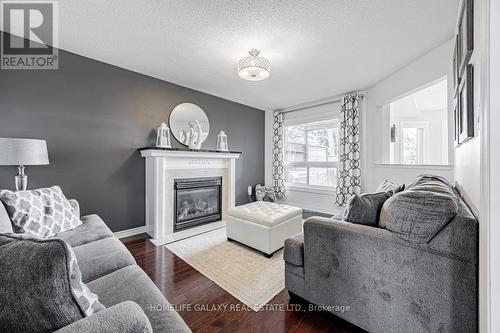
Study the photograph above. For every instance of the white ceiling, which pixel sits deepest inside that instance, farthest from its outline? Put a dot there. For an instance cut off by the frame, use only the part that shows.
(317, 49)
(433, 98)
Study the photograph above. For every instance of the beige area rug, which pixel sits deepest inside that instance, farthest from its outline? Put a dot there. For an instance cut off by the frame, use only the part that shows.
(244, 273)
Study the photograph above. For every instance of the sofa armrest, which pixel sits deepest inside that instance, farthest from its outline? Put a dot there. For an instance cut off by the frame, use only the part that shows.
(125, 317)
(376, 273)
(76, 206)
(293, 251)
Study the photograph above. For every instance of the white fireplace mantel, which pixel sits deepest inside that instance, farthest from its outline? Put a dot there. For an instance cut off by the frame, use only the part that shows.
(163, 166)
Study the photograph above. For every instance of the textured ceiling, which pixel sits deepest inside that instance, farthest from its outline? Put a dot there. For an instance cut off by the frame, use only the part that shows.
(317, 49)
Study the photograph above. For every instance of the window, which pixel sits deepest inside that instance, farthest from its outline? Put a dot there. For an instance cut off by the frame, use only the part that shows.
(411, 145)
(413, 142)
(418, 121)
(310, 154)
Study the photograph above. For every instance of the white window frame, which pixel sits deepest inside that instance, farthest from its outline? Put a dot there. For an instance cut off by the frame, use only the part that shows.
(424, 126)
(309, 164)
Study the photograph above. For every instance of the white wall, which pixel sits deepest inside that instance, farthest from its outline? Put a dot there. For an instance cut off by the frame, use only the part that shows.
(468, 154)
(316, 202)
(487, 75)
(402, 174)
(493, 217)
(432, 66)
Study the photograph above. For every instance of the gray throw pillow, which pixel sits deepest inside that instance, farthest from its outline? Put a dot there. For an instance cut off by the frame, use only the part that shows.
(44, 212)
(365, 208)
(388, 186)
(5, 223)
(41, 284)
(417, 216)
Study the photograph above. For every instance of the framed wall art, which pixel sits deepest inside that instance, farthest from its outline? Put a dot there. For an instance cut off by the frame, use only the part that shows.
(465, 35)
(456, 66)
(456, 123)
(466, 106)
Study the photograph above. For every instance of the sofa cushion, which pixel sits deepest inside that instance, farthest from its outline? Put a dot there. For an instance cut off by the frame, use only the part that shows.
(293, 252)
(132, 284)
(92, 229)
(5, 223)
(388, 186)
(126, 317)
(44, 212)
(102, 257)
(365, 208)
(41, 284)
(417, 216)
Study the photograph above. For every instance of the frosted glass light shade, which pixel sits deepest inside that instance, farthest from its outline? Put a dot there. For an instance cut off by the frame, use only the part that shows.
(23, 152)
(254, 68)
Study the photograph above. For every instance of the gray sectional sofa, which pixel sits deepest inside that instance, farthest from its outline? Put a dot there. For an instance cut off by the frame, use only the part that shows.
(391, 283)
(133, 302)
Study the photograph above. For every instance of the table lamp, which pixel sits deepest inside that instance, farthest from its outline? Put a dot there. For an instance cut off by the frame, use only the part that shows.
(22, 152)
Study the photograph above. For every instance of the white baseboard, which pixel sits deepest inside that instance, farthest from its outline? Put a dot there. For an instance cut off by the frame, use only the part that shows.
(130, 232)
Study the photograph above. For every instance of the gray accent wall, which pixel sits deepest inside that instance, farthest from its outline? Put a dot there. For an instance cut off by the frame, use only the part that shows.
(95, 116)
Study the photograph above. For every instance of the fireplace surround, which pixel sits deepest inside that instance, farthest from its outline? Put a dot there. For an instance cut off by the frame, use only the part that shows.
(166, 165)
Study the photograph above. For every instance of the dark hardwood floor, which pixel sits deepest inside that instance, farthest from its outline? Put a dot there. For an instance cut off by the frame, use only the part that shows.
(182, 285)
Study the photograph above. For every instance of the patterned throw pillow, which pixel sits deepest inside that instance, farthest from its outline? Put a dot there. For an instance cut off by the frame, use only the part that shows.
(41, 281)
(264, 193)
(45, 212)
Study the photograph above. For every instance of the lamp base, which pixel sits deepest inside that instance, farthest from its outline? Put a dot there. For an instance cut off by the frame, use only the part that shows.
(21, 179)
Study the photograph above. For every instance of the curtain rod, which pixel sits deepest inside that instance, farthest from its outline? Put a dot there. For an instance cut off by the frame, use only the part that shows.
(319, 102)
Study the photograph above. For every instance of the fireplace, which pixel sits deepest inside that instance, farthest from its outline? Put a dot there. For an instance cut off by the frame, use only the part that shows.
(197, 201)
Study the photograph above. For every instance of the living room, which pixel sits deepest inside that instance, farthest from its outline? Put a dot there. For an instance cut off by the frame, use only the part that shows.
(250, 166)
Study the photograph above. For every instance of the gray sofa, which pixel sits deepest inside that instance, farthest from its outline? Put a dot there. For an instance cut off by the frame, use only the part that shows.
(388, 283)
(133, 302)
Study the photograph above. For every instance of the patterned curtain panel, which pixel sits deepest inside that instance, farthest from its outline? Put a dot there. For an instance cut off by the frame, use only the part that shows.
(349, 171)
(278, 168)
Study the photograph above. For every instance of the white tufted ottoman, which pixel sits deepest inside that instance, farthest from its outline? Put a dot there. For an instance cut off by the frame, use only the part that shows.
(263, 226)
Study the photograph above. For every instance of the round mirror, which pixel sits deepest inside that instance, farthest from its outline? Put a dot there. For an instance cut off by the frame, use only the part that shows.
(184, 121)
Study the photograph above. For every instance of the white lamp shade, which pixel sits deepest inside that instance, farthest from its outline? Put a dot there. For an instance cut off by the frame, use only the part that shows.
(23, 152)
(254, 68)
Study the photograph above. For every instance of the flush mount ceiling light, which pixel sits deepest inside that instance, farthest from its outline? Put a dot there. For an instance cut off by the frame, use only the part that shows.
(254, 68)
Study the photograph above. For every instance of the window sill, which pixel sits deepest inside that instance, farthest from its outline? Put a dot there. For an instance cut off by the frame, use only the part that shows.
(315, 190)
(445, 167)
